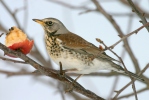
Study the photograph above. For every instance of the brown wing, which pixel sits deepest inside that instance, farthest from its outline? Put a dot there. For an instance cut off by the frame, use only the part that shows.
(78, 44)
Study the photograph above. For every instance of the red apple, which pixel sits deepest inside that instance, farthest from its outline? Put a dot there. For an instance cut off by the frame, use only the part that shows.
(17, 40)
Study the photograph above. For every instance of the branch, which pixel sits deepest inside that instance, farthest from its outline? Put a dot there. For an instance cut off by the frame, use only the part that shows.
(116, 79)
(118, 92)
(125, 69)
(12, 14)
(115, 25)
(96, 74)
(122, 39)
(141, 15)
(137, 7)
(10, 73)
(1, 34)
(25, 14)
(131, 94)
(52, 73)
(68, 5)
(2, 28)
(109, 17)
(11, 60)
(126, 36)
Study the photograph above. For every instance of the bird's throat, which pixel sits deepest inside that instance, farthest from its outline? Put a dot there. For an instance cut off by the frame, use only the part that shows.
(50, 34)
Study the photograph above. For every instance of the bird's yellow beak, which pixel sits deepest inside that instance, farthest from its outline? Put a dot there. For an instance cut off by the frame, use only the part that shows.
(39, 21)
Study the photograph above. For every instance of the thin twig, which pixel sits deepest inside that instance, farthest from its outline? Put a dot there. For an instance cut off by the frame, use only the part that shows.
(1, 34)
(12, 14)
(52, 73)
(126, 36)
(25, 14)
(115, 25)
(131, 94)
(96, 74)
(10, 73)
(68, 5)
(138, 7)
(109, 17)
(141, 15)
(2, 28)
(60, 90)
(11, 60)
(118, 92)
(133, 85)
(113, 88)
(116, 79)
(87, 11)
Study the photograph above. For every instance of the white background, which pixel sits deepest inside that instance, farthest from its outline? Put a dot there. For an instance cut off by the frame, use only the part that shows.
(89, 26)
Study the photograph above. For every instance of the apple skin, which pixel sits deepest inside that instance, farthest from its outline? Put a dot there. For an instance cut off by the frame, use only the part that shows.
(17, 40)
(24, 46)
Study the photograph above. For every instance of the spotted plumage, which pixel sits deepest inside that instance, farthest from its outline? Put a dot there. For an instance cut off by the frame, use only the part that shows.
(74, 52)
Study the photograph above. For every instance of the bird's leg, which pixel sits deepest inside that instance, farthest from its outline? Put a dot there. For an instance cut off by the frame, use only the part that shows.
(62, 72)
(61, 69)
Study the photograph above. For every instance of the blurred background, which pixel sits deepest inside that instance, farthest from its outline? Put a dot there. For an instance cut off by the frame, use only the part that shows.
(81, 17)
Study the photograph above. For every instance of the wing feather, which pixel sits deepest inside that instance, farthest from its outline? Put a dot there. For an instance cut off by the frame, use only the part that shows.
(78, 44)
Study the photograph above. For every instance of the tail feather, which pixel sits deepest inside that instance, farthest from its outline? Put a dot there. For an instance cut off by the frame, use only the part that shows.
(118, 68)
(134, 76)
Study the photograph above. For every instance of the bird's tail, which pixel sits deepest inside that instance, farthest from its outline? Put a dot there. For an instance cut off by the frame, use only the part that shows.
(134, 75)
(118, 68)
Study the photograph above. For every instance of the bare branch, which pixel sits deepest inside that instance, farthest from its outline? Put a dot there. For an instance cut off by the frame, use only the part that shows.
(12, 14)
(52, 73)
(137, 7)
(132, 80)
(10, 73)
(118, 92)
(126, 44)
(126, 36)
(1, 34)
(2, 28)
(68, 5)
(141, 15)
(131, 94)
(25, 14)
(11, 60)
(116, 79)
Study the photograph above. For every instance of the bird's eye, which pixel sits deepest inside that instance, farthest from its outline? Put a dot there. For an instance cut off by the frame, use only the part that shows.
(50, 23)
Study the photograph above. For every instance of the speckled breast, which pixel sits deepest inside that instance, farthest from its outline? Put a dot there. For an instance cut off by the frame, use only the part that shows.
(58, 53)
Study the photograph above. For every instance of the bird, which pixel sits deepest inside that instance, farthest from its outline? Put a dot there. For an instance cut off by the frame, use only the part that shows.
(76, 54)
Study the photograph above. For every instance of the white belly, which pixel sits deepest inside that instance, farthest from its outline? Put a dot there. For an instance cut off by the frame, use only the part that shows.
(70, 62)
(74, 60)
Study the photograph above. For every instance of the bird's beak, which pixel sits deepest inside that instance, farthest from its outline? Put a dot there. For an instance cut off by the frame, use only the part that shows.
(38, 21)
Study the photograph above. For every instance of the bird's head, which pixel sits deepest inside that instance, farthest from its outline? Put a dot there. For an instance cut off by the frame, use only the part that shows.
(52, 26)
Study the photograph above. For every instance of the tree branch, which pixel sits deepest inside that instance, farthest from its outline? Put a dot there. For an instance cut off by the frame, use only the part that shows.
(131, 94)
(141, 15)
(52, 73)
(115, 25)
(11, 60)
(125, 69)
(12, 14)
(118, 92)
(126, 36)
